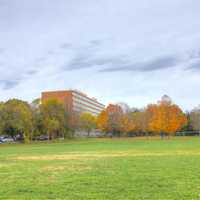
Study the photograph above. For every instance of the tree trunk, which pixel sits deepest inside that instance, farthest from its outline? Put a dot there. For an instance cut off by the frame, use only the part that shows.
(49, 136)
(88, 133)
(162, 135)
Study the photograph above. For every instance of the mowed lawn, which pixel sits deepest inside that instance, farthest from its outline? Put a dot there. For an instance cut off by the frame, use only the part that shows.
(111, 169)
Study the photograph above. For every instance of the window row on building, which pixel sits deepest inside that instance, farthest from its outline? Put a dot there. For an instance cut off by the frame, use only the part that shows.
(75, 101)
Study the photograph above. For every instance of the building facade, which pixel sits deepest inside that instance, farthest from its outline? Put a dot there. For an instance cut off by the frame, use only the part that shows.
(74, 101)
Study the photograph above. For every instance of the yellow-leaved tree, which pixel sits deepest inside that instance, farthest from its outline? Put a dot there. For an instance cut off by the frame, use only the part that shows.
(88, 122)
(166, 117)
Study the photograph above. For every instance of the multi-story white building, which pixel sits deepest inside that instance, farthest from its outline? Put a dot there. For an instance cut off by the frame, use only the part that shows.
(75, 101)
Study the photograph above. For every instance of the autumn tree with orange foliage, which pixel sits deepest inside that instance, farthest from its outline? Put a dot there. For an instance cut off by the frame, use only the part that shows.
(127, 124)
(161, 118)
(102, 121)
(141, 119)
(165, 117)
(109, 119)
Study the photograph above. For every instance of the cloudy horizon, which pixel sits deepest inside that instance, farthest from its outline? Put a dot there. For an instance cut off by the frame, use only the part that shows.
(116, 51)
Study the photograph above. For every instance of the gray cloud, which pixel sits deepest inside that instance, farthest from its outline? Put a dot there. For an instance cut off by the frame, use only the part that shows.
(8, 84)
(91, 56)
(194, 54)
(31, 72)
(79, 62)
(14, 79)
(152, 65)
(66, 45)
(121, 63)
(85, 60)
(51, 52)
(96, 42)
(195, 65)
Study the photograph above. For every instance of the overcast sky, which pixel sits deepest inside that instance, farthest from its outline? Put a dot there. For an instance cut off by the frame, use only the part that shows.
(115, 50)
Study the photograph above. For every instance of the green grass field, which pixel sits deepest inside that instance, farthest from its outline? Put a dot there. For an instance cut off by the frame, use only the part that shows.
(110, 169)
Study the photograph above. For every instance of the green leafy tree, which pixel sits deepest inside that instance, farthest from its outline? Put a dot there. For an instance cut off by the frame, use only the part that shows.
(38, 123)
(88, 122)
(16, 119)
(54, 118)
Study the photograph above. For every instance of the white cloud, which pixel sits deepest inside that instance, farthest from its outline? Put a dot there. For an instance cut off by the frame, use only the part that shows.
(42, 40)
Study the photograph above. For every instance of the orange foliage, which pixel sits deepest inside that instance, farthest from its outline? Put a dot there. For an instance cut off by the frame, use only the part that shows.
(113, 109)
(140, 120)
(127, 124)
(163, 117)
(102, 121)
(109, 120)
(166, 117)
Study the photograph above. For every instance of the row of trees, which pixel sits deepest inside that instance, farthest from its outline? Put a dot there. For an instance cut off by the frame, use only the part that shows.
(161, 118)
(27, 121)
(24, 121)
(20, 120)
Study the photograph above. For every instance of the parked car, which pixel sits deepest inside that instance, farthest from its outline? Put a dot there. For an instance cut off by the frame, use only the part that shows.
(41, 137)
(6, 139)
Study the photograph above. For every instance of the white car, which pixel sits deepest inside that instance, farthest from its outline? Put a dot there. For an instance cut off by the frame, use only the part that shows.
(5, 139)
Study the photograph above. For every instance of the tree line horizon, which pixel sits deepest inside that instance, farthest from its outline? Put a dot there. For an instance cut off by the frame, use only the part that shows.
(27, 121)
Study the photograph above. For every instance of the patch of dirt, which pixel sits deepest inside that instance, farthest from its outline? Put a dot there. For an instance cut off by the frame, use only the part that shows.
(89, 156)
(53, 168)
(72, 156)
